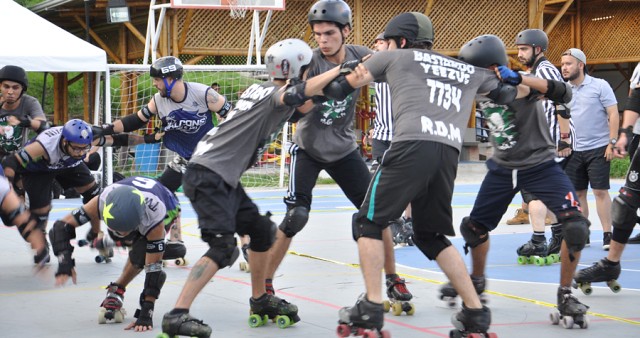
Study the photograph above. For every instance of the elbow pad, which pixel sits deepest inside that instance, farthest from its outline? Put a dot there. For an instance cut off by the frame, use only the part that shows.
(226, 108)
(132, 122)
(10, 162)
(557, 91)
(563, 110)
(44, 125)
(503, 94)
(338, 89)
(294, 95)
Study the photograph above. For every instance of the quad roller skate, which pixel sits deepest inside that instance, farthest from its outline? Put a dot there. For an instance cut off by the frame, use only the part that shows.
(363, 319)
(183, 324)
(111, 307)
(472, 323)
(175, 251)
(601, 271)
(244, 266)
(534, 253)
(104, 245)
(399, 297)
(402, 232)
(570, 310)
(271, 307)
(449, 294)
(555, 242)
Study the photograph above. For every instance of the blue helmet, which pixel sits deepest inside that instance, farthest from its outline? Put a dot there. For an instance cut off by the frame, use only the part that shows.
(77, 131)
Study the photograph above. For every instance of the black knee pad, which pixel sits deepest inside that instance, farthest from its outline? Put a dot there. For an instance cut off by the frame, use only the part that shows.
(223, 248)
(92, 192)
(138, 254)
(153, 281)
(362, 227)
(295, 219)
(431, 244)
(624, 209)
(263, 234)
(575, 229)
(175, 250)
(472, 233)
(171, 179)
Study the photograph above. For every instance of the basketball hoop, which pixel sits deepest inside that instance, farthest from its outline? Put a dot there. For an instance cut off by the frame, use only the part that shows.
(237, 8)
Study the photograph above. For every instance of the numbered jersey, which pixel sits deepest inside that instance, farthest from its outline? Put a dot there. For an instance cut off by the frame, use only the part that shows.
(51, 141)
(162, 206)
(186, 122)
(436, 104)
(234, 146)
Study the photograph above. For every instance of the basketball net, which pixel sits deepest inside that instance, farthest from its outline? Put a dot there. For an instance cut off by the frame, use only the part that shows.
(238, 8)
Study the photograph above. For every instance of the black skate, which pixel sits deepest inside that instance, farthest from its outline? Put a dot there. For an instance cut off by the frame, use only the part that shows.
(601, 271)
(402, 232)
(175, 251)
(363, 319)
(399, 296)
(244, 266)
(111, 307)
(183, 325)
(104, 245)
(472, 323)
(555, 242)
(534, 253)
(449, 294)
(41, 258)
(271, 307)
(570, 310)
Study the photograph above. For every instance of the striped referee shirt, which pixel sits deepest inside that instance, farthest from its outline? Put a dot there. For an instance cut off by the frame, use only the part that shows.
(546, 70)
(383, 123)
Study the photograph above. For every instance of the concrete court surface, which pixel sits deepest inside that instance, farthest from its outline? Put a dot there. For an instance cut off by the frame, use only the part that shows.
(319, 276)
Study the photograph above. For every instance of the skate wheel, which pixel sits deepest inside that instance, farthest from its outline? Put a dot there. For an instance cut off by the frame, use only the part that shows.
(522, 260)
(492, 335)
(584, 323)
(556, 258)
(181, 261)
(411, 310)
(539, 261)
(614, 286)
(118, 316)
(244, 266)
(98, 259)
(555, 318)
(370, 334)
(101, 318)
(455, 334)
(397, 309)
(549, 260)
(343, 330)
(567, 322)
(586, 288)
(255, 321)
(283, 322)
(386, 305)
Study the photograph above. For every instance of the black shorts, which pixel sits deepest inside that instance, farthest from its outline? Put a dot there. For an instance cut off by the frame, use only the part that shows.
(38, 185)
(219, 206)
(350, 173)
(418, 172)
(633, 102)
(378, 147)
(589, 167)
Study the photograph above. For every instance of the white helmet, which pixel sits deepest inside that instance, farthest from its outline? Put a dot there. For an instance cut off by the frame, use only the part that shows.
(287, 59)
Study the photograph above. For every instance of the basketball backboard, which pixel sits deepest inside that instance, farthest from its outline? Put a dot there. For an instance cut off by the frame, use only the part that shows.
(260, 5)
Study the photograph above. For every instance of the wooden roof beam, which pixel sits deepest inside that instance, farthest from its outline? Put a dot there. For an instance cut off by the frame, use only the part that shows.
(99, 41)
(135, 32)
(538, 18)
(558, 16)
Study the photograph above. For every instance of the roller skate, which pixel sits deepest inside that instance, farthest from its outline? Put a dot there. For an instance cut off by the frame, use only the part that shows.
(449, 294)
(244, 266)
(183, 324)
(271, 307)
(111, 307)
(363, 319)
(472, 323)
(399, 296)
(175, 251)
(555, 242)
(104, 245)
(402, 232)
(534, 253)
(570, 310)
(602, 271)
(40, 259)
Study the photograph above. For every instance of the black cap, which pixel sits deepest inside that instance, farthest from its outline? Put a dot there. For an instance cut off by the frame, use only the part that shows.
(413, 26)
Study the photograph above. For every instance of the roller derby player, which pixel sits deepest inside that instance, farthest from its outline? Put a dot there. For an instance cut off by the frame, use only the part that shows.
(523, 159)
(623, 209)
(212, 183)
(137, 212)
(420, 166)
(324, 138)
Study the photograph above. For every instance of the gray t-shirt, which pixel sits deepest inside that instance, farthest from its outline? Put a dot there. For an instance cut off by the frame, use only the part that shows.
(14, 137)
(326, 133)
(431, 94)
(235, 144)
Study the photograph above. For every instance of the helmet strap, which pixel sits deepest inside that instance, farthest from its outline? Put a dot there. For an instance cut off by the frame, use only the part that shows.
(168, 86)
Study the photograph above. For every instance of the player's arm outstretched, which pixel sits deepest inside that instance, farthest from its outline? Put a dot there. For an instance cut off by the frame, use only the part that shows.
(557, 91)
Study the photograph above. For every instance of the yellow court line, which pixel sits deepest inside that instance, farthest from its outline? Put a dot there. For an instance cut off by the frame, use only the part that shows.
(505, 295)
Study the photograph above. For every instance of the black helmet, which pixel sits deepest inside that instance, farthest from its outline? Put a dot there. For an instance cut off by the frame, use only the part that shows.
(336, 11)
(484, 51)
(168, 66)
(413, 26)
(15, 74)
(123, 209)
(533, 38)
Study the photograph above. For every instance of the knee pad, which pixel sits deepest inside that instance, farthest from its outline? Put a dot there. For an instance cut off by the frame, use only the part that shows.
(575, 230)
(41, 220)
(60, 235)
(263, 235)
(294, 221)
(223, 248)
(624, 209)
(138, 254)
(92, 192)
(362, 227)
(175, 250)
(431, 244)
(153, 281)
(8, 218)
(472, 234)
(171, 179)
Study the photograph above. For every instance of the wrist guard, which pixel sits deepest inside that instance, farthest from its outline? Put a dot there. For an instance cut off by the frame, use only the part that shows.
(144, 315)
(151, 138)
(349, 66)
(65, 263)
(294, 95)
(25, 121)
(628, 131)
(562, 145)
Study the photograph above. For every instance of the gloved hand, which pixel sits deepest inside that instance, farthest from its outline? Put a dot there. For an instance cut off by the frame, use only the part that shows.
(349, 66)
(104, 130)
(25, 121)
(508, 76)
(155, 137)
